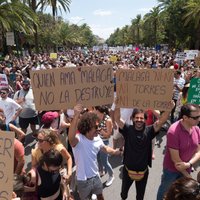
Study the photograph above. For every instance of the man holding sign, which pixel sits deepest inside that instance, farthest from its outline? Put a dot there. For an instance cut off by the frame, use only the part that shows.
(137, 149)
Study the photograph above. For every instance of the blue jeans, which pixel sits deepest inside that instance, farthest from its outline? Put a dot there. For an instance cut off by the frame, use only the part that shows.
(103, 161)
(167, 179)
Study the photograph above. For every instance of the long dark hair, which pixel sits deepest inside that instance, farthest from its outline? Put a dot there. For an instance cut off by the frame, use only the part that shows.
(184, 189)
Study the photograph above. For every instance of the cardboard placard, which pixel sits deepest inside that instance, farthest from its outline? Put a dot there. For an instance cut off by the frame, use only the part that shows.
(53, 55)
(197, 61)
(194, 91)
(145, 88)
(6, 164)
(62, 88)
(113, 59)
(3, 81)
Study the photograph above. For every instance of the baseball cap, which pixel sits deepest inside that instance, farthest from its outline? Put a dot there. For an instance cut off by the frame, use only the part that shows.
(48, 117)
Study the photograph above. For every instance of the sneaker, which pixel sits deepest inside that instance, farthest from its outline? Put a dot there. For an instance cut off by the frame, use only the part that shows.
(110, 181)
(94, 197)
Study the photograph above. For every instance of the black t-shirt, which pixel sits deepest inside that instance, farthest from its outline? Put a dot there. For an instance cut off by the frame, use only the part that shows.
(138, 147)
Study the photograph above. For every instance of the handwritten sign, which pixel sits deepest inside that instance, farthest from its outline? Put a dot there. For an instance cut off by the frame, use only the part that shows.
(197, 60)
(113, 59)
(145, 88)
(194, 91)
(63, 87)
(53, 55)
(6, 164)
(3, 81)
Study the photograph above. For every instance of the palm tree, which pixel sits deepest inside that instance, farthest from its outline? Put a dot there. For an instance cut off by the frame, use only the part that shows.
(16, 15)
(56, 5)
(136, 22)
(193, 15)
(152, 18)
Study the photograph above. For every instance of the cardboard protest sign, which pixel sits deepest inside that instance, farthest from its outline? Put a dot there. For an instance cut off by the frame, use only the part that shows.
(197, 60)
(113, 59)
(53, 55)
(194, 91)
(145, 88)
(3, 81)
(62, 88)
(6, 164)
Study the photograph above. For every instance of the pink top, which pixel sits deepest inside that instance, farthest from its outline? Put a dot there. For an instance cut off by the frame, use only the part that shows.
(178, 138)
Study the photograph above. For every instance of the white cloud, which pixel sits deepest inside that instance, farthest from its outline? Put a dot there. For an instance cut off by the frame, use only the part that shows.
(103, 32)
(102, 13)
(76, 19)
(144, 9)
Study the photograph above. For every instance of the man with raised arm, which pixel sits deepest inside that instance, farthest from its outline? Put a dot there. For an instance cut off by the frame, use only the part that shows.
(86, 146)
(137, 149)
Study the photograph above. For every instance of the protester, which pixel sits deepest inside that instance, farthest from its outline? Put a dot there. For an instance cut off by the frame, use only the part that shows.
(49, 183)
(137, 149)
(178, 86)
(86, 146)
(183, 189)
(182, 149)
(48, 139)
(10, 127)
(10, 107)
(105, 131)
(28, 115)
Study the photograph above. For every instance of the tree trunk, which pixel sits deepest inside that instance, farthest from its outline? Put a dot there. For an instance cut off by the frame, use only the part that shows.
(36, 39)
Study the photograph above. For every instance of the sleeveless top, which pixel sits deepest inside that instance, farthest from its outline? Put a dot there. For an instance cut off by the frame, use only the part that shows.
(50, 184)
(102, 125)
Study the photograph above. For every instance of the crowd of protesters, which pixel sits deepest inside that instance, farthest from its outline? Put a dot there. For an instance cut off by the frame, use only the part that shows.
(82, 135)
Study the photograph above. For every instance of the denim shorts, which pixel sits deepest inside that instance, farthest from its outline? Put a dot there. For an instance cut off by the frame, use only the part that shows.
(88, 187)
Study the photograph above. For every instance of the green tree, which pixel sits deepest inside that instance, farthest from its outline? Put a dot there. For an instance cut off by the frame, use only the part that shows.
(192, 16)
(151, 20)
(136, 23)
(14, 15)
(56, 5)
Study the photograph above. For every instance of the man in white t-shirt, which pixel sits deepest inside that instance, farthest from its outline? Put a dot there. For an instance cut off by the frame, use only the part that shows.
(85, 146)
(10, 107)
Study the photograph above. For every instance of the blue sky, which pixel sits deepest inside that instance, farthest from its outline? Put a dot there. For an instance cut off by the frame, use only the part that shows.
(104, 16)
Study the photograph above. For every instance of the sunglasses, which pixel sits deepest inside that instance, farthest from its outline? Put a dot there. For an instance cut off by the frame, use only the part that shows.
(40, 140)
(195, 118)
(3, 93)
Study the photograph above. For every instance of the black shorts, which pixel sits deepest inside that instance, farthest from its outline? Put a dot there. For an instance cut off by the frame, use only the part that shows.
(24, 122)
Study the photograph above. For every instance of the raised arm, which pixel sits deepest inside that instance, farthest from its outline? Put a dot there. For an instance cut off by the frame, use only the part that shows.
(163, 118)
(117, 115)
(73, 127)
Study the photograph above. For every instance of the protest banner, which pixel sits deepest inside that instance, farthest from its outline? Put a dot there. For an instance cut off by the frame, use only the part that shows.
(3, 81)
(113, 59)
(194, 91)
(53, 55)
(197, 60)
(145, 88)
(63, 88)
(191, 54)
(6, 164)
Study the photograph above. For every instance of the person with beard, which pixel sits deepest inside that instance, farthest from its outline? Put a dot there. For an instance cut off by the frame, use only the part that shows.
(137, 149)
(28, 115)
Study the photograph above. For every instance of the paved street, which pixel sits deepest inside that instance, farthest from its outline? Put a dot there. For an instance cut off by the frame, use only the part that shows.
(113, 192)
